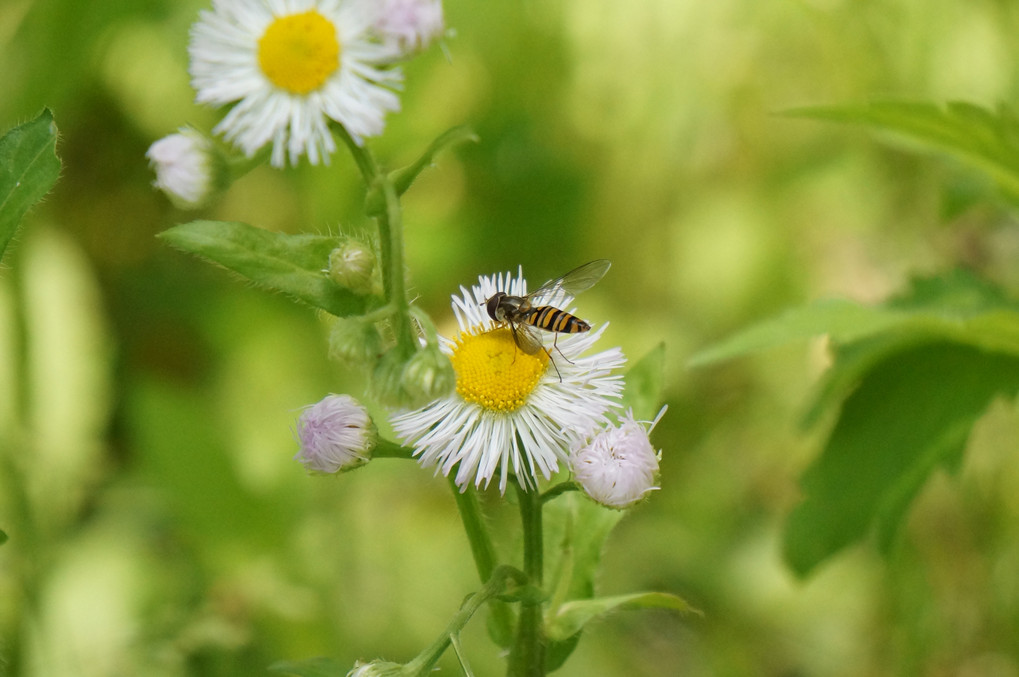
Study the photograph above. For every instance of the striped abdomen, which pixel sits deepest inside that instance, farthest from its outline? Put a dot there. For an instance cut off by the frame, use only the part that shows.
(551, 318)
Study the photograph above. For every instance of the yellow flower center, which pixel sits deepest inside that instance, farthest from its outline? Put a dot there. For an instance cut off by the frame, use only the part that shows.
(493, 372)
(299, 52)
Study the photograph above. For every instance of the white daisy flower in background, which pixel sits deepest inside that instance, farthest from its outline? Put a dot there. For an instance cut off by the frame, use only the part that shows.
(410, 25)
(510, 412)
(185, 166)
(291, 66)
(618, 466)
(335, 434)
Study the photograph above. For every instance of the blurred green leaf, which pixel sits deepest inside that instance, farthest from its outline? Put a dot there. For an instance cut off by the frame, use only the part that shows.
(912, 412)
(909, 379)
(3, 537)
(28, 169)
(313, 667)
(571, 617)
(292, 264)
(980, 138)
(644, 383)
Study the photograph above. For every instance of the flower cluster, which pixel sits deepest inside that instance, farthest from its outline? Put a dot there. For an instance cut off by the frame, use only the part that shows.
(517, 394)
(510, 413)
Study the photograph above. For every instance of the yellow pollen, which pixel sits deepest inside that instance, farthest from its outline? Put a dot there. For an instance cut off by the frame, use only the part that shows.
(493, 372)
(299, 52)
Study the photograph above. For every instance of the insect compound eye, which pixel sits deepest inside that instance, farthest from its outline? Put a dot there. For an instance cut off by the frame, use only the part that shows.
(493, 305)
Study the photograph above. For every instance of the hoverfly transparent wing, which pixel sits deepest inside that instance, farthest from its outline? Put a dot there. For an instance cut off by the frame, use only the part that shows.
(527, 338)
(572, 283)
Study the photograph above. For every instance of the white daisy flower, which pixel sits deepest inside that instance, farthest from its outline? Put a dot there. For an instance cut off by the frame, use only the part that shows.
(510, 412)
(291, 66)
(335, 434)
(184, 163)
(618, 466)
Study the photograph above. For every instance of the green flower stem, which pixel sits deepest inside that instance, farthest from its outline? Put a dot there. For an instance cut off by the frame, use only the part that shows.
(390, 224)
(484, 557)
(391, 229)
(560, 489)
(423, 664)
(387, 449)
(527, 656)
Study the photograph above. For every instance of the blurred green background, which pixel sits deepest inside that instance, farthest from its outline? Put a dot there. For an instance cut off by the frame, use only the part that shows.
(159, 525)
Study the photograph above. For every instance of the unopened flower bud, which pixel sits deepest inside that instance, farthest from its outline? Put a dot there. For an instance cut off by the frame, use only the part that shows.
(335, 434)
(189, 169)
(354, 342)
(618, 466)
(352, 265)
(428, 375)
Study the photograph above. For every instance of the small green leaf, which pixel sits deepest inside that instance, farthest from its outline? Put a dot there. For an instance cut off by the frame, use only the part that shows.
(982, 139)
(571, 617)
(313, 667)
(28, 169)
(3, 537)
(402, 178)
(644, 383)
(292, 264)
(911, 413)
(579, 527)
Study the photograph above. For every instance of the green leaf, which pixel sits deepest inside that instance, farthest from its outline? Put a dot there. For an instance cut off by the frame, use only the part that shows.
(908, 381)
(576, 528)
(28, 169)
(644, 383)
(292, 264)
(3, 537)
(980, 138)
(313, 667)
(402, 178)
(571, 617)
(912, 413)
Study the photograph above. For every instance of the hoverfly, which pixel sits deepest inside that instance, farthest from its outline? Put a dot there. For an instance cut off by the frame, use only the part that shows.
(522, 316)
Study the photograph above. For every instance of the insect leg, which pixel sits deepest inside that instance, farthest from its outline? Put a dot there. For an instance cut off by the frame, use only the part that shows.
(552, 360)
(555, 338)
